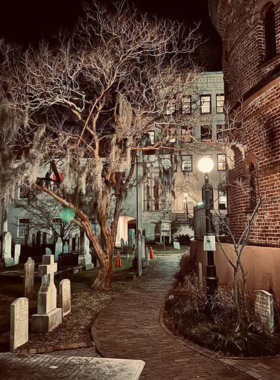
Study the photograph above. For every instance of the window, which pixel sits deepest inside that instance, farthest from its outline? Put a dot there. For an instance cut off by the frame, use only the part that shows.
(23, 227)
(152, 137)
(221, 162)
(187, 105)
(220, 99)
(171, 107)
(23, 192)
(220, 132)
(152, 195)
(187, 132)
(222, 197)
(269, 25)
(206, 132)
(205, 104)
(187, 163)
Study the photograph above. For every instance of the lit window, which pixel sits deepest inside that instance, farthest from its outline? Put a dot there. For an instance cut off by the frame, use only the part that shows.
(23, 192)
(206, 132)
(221, 162)
(220, 132)
(187, 163)
(220, 99)
(187, 105)
(23, 227)
(205, 104)
(187, 132)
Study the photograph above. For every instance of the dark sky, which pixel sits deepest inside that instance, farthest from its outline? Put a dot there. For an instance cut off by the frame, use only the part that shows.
(29, 20)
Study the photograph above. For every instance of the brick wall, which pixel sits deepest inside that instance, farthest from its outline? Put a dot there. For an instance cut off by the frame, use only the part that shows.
(255, 83)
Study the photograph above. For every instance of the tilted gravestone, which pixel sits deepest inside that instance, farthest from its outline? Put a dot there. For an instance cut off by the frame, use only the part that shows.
(49, 315)
(58, 248)
(28, 278)
(19, 323)
(264, 310)
(122, 245)
(65, 296)
(176, 245)
(17, 253)
(85, 258)
(7, 249)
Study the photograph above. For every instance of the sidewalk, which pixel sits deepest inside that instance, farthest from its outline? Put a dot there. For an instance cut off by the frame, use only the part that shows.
(130, 329)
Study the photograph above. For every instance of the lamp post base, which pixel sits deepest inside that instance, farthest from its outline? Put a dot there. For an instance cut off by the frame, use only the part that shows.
(211, 280)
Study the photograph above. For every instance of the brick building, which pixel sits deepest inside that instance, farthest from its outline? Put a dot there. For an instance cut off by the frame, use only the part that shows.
(250, 31)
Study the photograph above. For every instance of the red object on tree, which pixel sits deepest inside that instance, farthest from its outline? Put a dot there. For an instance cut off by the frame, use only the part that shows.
(60, 175)
(151, 253)
(118, 260)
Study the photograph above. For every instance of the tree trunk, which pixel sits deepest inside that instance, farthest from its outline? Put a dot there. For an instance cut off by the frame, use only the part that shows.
(104, 277)
(236, 295)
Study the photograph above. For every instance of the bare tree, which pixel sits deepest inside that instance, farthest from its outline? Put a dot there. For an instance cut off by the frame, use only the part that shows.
(84, 106)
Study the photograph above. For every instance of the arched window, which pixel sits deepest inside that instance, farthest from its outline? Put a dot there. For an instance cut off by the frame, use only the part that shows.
(252, 186)
(268, 16)
(211, 200)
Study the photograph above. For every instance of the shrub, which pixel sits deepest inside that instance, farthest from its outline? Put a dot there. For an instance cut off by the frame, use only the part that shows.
(182, 239)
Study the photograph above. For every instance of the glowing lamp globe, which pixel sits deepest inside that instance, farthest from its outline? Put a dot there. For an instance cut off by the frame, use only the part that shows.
(205, 165)
(67, 214)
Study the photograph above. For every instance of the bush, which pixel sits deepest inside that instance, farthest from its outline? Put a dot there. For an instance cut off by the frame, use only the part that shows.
(182, 239)
(187, 265)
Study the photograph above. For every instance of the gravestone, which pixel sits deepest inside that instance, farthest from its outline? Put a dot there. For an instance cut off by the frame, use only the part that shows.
(48, 314)
(19, 323)
(264, 310)
(131, 237)
(58, 248)
(7, 249)
(122, 245)
(147, 253)
(65, 296)
(66, 248)
(28, 278)
(143, 253)
(70, 244)
(48, 251)
(85, 258)
(200, 273)
(139, 253)
(17, 253)
(176, 245)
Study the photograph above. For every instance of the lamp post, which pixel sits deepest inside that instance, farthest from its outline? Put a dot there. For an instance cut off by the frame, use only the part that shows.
(206, 165)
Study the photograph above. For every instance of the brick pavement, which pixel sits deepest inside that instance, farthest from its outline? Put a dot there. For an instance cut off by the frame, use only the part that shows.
(130, 329)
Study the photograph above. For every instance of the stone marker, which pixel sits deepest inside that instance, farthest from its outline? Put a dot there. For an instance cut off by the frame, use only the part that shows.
(49, 316)
(85, 258)
(264, 310)
(19, 323)
(122, 245)
(176, 245)
(7, 249)
(28, 278)
(17, 253)
(48, 251)
(65, 296)
(58, 248)
(131, 237)
(66, 248)
(200, 273)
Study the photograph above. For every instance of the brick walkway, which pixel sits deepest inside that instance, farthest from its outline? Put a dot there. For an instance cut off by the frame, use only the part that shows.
(130, 329)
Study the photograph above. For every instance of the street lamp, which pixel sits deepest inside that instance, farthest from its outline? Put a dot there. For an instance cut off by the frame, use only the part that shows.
(206, 165)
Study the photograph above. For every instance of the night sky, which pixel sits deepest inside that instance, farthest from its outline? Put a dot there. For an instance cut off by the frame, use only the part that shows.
(30, 20)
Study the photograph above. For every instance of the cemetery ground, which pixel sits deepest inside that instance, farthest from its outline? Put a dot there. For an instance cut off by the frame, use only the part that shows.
(86, 305)
(213, 325)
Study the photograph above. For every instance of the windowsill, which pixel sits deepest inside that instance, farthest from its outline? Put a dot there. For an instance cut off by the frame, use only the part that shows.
(205, 113)
(269, 61)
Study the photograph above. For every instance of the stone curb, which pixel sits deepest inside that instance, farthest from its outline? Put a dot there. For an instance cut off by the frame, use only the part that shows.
(98, 347)
(57, 347)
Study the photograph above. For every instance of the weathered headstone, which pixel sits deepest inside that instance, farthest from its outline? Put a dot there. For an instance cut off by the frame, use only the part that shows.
(122, 245)
(131, 237)
(19, 323)
(28, 278)
(49, 316)
(7, 249)
(66, 248)
(58, 248)
(85, 258)
(176, 245)
(17, 253)
(264, 310)
(200, 273)
(65, 296)
(48, 251)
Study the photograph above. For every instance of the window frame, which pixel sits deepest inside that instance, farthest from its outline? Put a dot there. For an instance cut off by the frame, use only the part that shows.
(210, 104)
(26, 226)
(189, 105)
(219, 163)
(220, 132)
(191, 161)
(217, 106)
(26, 192)
(210, 128)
